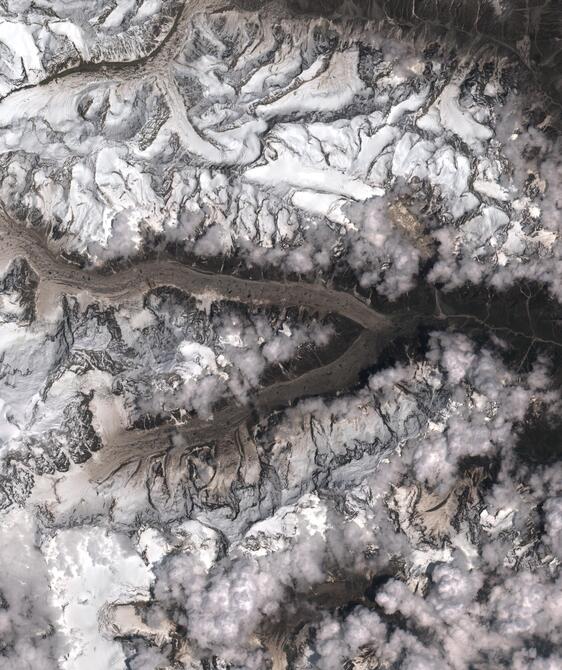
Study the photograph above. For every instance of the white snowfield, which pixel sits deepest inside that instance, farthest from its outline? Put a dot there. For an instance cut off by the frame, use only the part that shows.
(42, 39)
(208, 147)
(334, 472)
(88, 570)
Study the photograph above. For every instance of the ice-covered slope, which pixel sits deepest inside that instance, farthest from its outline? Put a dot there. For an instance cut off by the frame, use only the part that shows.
(245, 141)
(45, 39)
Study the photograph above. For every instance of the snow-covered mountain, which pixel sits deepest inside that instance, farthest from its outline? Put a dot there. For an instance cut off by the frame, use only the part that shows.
(280, 335)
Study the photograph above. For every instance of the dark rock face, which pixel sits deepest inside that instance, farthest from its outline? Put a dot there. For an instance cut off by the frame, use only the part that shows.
(17, 289)
(530, 30)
